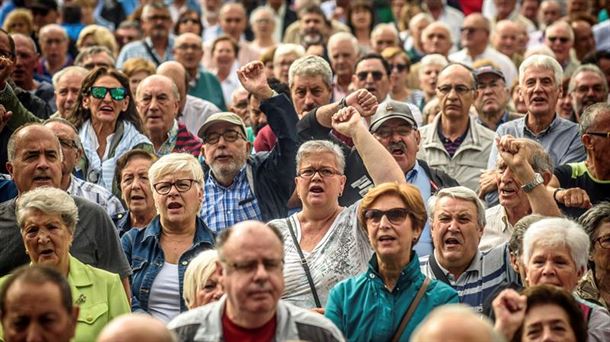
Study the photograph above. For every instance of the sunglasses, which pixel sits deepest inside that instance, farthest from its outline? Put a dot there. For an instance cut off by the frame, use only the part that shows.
(117, 94)
(394, 215)
(189, 20)
(399, 66)
(377, 75)
(563, 40)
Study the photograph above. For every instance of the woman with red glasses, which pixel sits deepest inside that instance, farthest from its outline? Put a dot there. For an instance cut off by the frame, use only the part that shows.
(108, 125)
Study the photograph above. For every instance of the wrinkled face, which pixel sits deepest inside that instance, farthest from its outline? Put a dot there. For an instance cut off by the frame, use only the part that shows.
(558, 40)
(539, 90)
(19, 25)
(233, 21)
(309, 92)
(135, 79)
(504, 8)
(372, 76)
(361, 18)
(46, 237)
(401, 140)
(176, 206)
(26, 61)
(188, 51)
(391, 239)
(384, 39)
(509, 189)
(492, 94)
(474, 33)
(239, 104)
(319, 191)
(157, 106)
(598, 147)
(34, 312)
(97, 60)
(552, 265)
(224, 157)
(67, 139)
(282, 64)
(136, 190)
(400, 70)
(342, 57)
(601, 256)
(529, 9)
(584, 42)
(455, 91)
(549, 12)
(588, 90)
(37, 160)
(547, 322)
(252, 274)
(156, 23)
(224, 54)
(264, 24)
(54, 46)
(428, 78)
(506, 39)
(455, 232)
(66, 92)
(312, 24)
(209, 292)
(106, 110)
(437, 40)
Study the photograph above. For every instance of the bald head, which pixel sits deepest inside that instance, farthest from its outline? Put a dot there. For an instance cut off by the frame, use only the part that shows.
(177, 73)
(136, 327)
(187, 37)
(506, 37)
(455, 322)
(243, 233)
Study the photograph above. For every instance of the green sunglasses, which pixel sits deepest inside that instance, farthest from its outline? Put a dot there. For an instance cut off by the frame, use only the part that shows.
(117, 94)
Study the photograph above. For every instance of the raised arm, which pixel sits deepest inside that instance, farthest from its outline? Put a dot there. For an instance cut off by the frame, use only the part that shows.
(363, 101)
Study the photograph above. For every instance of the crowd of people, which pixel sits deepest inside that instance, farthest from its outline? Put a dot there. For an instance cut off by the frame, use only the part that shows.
(365, 170)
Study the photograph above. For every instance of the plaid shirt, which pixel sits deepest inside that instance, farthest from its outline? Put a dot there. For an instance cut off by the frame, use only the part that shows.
(96, 194)
(225, 206)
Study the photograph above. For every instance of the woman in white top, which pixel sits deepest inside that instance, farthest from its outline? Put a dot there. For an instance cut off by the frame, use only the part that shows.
(263, 25)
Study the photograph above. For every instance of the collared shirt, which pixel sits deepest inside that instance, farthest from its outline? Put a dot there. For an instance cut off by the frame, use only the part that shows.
(168, 145)
(138, 49)
(504, 118)
(196, 111)
(479, 280)
(179, 139)
(418, 177)
(96, 194)
(451, 146)
(205, 85)
(497, 230)
(225, 206)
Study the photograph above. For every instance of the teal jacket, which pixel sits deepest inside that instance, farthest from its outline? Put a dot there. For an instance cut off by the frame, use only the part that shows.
(364, 310)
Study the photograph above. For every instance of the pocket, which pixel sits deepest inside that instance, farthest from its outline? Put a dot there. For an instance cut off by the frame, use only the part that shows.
(90, 314)
(137, 264)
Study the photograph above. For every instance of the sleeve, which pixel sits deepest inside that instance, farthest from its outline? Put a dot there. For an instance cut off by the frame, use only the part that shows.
(117, 302)
(493, 154)
(21, 115)
(334, 307)
(111, 256)
(599, 325)
(564, 174)
(308, 128)
(576, 151)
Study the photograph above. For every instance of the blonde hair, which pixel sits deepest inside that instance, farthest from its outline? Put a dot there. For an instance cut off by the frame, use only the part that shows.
(102, 37)
(197, 274)
(135, 65)
(19, 14)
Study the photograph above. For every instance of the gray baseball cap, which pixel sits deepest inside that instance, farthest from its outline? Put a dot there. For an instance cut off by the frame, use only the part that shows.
(392, 110)
(229, 117)
(489, 69)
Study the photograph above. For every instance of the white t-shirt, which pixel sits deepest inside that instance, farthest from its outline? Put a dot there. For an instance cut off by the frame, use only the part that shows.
(164, 300)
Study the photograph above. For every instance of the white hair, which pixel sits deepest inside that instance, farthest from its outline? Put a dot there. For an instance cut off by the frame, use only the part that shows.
(458, 192)
(262, 10)
(316, 147)
(419, 17)
(311, 66)
(174, 162)
(341, 36)
(544, 62)
(288, 49)
(433, 59)
(436, 24)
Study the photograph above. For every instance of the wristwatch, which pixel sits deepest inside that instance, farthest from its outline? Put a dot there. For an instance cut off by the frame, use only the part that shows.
(534, 183)
(342, 104)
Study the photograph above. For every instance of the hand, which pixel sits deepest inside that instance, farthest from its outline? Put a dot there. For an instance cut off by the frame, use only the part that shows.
(253, 79)
(5, 116)
(363, 101)
(516, 154)
(6, 68)
(318, 310)
(346, 121)
(509, 309)
(573, 198)
(487, 183)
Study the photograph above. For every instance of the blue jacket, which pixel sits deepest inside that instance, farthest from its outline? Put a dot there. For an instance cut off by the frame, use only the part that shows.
(364, 310)
(143, 250)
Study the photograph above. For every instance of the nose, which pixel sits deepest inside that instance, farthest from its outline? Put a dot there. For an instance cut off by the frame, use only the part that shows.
(548, 269)
(309, 99)
(218, 292)
(34, 333)
(384, 222)
(453, 226)
(261, 273)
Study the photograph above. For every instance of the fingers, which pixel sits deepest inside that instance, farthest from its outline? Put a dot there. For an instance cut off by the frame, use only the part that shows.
(250, 70)
(575, 198)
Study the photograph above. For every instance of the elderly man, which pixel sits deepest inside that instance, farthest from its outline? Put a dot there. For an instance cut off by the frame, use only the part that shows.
(35, 160)
(475, 43)
(310, 82)
(94, 57)
(455, 322)
(507, 10)
(505, 39)
(67, 84)
(584, 42)
(559, 37)
(312, 24)
(548, 13)
(458, 220)
(453, 142)
(436, 39)
(413, 45)
(136, 327)
(157, 45)
(440, 11)
(384, 36)
(36, 305)
(492, 98)
(54, 49)
(587, 86)
(343, 52)
(158, 103)
(284, 56)
(240, 186)
(247, 312)
(188, 51)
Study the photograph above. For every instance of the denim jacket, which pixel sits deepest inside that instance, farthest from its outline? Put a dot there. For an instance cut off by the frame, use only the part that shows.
(143, 250)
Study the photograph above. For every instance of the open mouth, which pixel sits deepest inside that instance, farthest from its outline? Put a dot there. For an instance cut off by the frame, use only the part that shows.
(137, 198)
(41, 178)
(174, 205)
(46, 252)
(316, 189)
(106, 108)
(538, 100)
(507, 191)
(452, 242)
(371, 89)
(386, 238)
(397, 151)
(222, 157)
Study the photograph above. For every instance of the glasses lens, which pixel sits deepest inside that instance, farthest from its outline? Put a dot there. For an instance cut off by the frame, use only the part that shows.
(396, 215)
(230, 136)
(183, 184)
(373, 215)
(212, 138)
(118, 94)
(162, 188)
(99, 92)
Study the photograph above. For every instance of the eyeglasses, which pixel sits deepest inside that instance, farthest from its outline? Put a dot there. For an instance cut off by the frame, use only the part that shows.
(323, 172)
(394, 215)
(182, 185)
(600, 134)
(67, 143)
(400, 67)
(562, 40)
(250, 266)
(117, 94)
(228, 136)
(363, 75)
(385, 133)
(460, 89)
(604, 241)
(90, 66)
(189, 20)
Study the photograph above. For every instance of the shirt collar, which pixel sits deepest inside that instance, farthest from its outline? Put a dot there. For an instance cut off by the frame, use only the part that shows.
(556, 121)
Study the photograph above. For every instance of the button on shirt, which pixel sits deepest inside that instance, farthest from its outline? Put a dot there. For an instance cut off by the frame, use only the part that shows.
(225, 206)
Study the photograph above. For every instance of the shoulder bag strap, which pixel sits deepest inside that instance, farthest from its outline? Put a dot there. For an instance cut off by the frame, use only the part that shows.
(436, 270)
(407, 317)
(151, 53)
(304, 263)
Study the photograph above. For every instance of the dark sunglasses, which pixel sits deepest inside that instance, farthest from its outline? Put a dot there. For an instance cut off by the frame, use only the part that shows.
(377, 75)
(394, 215)
(563, 40)
(117, 94)
(189, 20)
(399, 66)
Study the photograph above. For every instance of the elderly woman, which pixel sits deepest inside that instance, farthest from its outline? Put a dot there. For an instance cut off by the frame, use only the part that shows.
(202, 281)
(595, 285)
(136, 192)
(430, 67)
(19, 20)
(325, 236)
(399, 65)
(47, 218)
(373, 305)
(263, 22)
(160, 253)
(137, 69)
(108, 124)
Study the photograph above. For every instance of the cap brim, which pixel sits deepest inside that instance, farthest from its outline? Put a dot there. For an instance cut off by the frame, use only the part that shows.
(377, 123)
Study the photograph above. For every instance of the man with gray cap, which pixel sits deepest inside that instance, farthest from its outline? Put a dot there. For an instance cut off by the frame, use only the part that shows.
(492, 97)
(240, 186)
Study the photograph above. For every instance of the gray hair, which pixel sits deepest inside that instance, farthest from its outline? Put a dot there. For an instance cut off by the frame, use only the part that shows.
(314, 147)
(383, 26)
(588, 68)
(52, 27)
(589, 116)
(539, 159)
(434, 25)
(288, 49)
(155, 4)
(541, 61)
(69, 70)
(341, 36)
(50, 201)
(515, 243)
(93, 50)
(557, 24)
(77, 141)
(419, 17)
(310, 66)
(433, 59)
(557, 232)
(593, 218)
(462, 193)
(174, 162)
(539, 50)
(28, 39)
(153, 77)
(260, 10)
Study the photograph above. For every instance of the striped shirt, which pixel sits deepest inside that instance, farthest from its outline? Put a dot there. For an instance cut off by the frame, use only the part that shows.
(180, 140)
(479, 280)
(96, 194)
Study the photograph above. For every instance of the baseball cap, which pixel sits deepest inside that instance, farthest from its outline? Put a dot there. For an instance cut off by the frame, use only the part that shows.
(392, 110)
(229, 117)
(488, 69)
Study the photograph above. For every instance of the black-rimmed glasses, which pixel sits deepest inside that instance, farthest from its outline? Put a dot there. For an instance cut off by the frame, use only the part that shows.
(182, 185)
(228, 136)
(323, 172)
